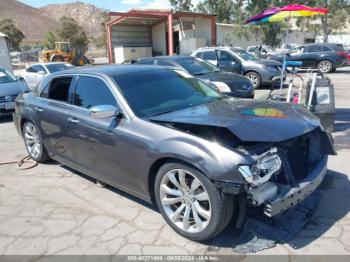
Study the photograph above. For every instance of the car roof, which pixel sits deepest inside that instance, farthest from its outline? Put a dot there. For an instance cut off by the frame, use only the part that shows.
(109, 70)
(231, 48)
(48, 63)
(166, 57)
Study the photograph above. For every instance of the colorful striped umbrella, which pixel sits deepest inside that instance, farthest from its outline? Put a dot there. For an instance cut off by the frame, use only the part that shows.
(279, 14)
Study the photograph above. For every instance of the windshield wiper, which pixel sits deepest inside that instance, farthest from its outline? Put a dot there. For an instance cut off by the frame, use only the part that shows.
(161, 113)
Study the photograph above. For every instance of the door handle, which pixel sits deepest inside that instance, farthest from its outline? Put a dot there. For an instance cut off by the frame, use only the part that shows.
(39, 109)
(73, 120)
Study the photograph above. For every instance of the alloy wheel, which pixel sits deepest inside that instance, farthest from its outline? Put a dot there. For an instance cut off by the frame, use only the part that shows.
(325, 66)
(185, 200)
(254, 79)
(32, 140)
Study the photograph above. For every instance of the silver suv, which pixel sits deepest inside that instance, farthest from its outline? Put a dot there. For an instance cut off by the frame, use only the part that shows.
(237, 60)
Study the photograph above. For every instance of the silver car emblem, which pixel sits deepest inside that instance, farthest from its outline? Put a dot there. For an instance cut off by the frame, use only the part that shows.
(8, 99)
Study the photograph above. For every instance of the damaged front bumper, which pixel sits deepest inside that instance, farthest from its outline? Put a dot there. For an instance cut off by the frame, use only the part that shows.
(289, 197)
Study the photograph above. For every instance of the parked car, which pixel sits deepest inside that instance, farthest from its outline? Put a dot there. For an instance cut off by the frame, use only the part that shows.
(10, 88)
(35, 73)
(324, 57)
(236, 60)
(164, 136)
(228, 83)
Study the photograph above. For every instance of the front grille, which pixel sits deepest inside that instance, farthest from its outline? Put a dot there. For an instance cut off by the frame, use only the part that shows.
(12, 98)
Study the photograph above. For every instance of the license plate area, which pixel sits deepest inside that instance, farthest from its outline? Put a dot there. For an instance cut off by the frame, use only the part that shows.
(9, 105)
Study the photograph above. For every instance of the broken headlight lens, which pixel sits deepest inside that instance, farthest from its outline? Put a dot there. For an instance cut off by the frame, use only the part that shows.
(262, 170)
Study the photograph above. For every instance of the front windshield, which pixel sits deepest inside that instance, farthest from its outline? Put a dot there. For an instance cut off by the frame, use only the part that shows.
(6, 76)
(157, 92)
(245, 55)
(58, 67)
(196, 66)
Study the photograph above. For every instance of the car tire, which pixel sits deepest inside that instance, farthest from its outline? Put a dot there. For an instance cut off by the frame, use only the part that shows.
(33, 143)
(255, 78)
(207, 209)
(325, 66)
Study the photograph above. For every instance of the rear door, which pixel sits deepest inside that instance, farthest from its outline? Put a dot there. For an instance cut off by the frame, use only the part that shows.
(97, 145)
(312, 55)
(50, 112)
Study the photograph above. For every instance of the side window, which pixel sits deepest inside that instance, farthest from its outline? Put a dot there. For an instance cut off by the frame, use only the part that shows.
(326, 48)
(58, 89)
(92, 91)
(199, 54)
(252, 49)
(210, 55)
(314, 48)
(146, 62)
(164, 63)
(225, 57)
(31, 69)
(40, 68)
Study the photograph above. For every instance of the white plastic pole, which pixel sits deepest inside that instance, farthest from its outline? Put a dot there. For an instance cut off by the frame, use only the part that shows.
(285, 52)
(312, 90)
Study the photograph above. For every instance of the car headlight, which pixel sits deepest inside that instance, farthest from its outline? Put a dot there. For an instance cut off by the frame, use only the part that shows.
(271, 68)
(222, 87)
(264, 167)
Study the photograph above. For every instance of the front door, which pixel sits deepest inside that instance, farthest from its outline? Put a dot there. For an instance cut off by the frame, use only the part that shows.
(228, 62)
(99, 145)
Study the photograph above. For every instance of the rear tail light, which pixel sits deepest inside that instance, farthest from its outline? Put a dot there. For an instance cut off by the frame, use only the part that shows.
(349, 57)
(341, 54)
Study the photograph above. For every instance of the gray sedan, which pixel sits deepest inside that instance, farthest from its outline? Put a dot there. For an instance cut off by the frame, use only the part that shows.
(237, 60)
(166, 137)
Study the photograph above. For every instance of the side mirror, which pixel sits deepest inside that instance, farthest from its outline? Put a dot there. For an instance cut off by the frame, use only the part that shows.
(41, 73)
(104, 111)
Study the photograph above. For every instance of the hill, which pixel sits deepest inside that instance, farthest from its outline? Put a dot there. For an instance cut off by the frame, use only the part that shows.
(37, 22)
(88, 16)
(33, 22)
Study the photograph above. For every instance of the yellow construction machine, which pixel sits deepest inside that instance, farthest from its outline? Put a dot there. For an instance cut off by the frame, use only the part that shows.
(63, 52)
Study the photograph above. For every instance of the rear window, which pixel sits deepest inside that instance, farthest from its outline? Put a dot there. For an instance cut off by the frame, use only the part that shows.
(337, 47)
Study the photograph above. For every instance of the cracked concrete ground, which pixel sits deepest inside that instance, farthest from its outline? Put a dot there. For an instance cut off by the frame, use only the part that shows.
(52, 210)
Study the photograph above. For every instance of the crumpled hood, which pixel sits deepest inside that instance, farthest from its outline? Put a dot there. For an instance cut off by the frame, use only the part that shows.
(13, 88)
(226, 77)
(249, 120)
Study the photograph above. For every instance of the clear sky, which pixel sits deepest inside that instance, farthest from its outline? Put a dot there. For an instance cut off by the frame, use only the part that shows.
(112, 5)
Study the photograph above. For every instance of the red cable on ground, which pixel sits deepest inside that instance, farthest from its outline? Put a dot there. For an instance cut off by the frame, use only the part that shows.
(25, 160)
